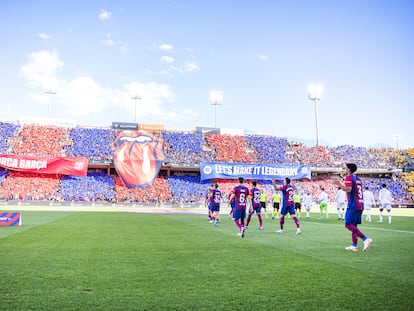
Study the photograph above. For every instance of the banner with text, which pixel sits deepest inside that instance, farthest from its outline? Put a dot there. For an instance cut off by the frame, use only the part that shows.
(45, 165)
(211, 170)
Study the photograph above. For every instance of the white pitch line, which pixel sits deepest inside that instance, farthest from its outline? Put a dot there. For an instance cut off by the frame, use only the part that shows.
(362, 227)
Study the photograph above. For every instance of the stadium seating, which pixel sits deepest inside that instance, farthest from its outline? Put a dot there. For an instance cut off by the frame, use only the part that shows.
(8, 132)
(182, 149)
(93, 187)
(40, 140)
(230, 148)
(93, 143)
(186, 148)
(30, 186)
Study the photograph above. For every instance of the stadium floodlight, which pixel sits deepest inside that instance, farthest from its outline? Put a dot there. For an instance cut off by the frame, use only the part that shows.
(397, 138)
(50, 93)
(314, 94)
(216, 97)
(135, 98)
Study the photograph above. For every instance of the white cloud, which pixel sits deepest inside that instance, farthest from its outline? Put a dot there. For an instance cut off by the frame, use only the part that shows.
(82, 95)
(167, 59)
(43, 36)
(263, 57)
(104, 15)
(191, 66)
(216, 96)
(108, 41)
(152, 95)
(166, 47)
(42, 68)
(177, 116)
(124, 49)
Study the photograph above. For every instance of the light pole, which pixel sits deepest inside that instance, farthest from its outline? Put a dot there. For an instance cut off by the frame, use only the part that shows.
(397, 138)
(50, 93)
(135, 98)
(216, 97)
(315, 92)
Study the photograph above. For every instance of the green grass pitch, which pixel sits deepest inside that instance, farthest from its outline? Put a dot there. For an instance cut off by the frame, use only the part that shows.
(62, 260)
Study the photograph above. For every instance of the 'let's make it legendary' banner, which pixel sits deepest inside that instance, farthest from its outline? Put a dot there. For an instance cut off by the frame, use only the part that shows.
(211, 170)
(45, 165)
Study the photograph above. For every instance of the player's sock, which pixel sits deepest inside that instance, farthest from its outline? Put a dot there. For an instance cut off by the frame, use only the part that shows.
(281, 222)
(296, 220)
(238, 224)
(260, 220)
(248, 220)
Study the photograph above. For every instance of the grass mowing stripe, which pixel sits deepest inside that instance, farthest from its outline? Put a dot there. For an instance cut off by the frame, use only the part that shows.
(31, 219)
(364, 227)
(119, 261)
(390, 251)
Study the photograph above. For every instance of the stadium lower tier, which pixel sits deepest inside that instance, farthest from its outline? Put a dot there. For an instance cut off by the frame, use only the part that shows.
(176, 189)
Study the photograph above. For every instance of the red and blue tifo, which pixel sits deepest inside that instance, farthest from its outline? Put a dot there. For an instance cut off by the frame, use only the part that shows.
(10, 219)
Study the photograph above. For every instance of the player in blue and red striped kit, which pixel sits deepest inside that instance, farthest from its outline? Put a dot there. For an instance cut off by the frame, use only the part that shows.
(231, 203)
(241, 198)
(256, 206)
(353, 216)
(288, 204)
(209, 203)
(215, 199)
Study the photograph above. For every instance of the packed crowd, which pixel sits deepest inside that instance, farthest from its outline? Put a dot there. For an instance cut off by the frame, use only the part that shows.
(185, 148)
(93, 143)
(40, 140)
(188, 148)
(192, 147)
(29, 186)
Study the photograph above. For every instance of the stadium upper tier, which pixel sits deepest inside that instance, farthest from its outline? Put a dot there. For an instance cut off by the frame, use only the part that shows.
(191, 148)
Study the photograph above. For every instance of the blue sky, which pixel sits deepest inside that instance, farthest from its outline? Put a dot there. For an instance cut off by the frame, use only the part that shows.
(259, 55)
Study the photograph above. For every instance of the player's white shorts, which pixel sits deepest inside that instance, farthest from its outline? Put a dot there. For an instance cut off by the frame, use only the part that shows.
(386, 206)
(367, 207)
(340, 205)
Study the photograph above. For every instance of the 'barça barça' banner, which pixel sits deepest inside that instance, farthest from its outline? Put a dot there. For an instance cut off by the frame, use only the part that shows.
(45, 165)
(10, 219)
(211, 170)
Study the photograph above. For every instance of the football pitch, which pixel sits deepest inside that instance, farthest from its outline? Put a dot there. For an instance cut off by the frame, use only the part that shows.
(83, 260)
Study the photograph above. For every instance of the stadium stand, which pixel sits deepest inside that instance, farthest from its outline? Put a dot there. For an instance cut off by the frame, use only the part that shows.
(30, 187)
(40, 140)
(93, 187)
(157, 194)
(231, 148)
(185, 150)
(93, 143)
(268, 149)
(8, 132)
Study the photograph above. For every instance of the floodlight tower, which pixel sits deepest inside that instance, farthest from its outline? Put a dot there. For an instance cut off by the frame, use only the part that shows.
(50, 93)
(397, 138)
(314, 94)
(135, 98)
(216, 98)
